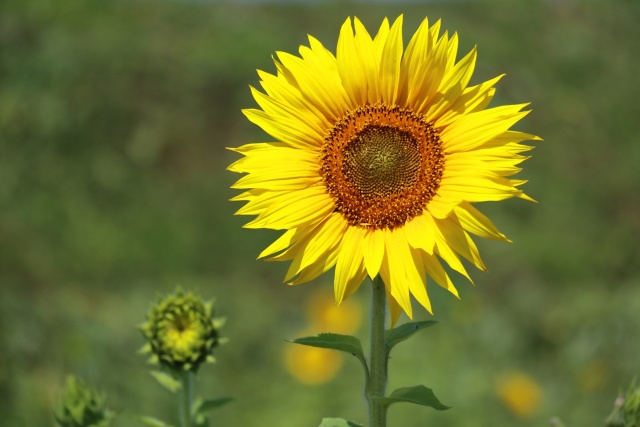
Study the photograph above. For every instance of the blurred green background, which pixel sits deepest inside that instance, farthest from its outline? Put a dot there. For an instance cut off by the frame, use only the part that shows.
(114, 118)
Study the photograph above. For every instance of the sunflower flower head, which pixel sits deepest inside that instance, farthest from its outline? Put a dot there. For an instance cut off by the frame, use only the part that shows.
(82, 406)
(379, 153)
(181, 332)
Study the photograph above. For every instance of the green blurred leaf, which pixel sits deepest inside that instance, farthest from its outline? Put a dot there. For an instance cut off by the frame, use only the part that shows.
(420, 395)
(404, 332)
(166, 381)
(346, 343)
(338, 422)
(204, 406)
(201, 421)
(153, 422)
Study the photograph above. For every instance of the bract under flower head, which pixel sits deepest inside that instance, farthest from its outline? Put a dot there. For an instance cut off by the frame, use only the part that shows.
(380, 152)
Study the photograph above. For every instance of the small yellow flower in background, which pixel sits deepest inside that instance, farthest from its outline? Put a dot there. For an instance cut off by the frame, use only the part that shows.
(82, 406)
(312, 365)
(181, 332)
(325, 315)
(379, 154)
(520, 393)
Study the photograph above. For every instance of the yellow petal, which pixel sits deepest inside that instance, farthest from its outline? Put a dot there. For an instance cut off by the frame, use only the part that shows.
(390, 61)
(350, 65)
(471, 130)
(458, 240)
(316, 269)
(452, 52)
(281, 176)
(511, 138)
(417, 50)
(472, 99)
(394, 308)
(473, 221)
(422, 91)
(419, 235)
(321, 89)
(292, 209)
(373, 251)
(443, 203)
(282, 242)
(416, 274)
(370, 60)
(354, 284)
(350, 262)
(452, 86)
(264, 158)
(473, 189)
(444, 250)
(438, 274)
(317, 244)
(287, 131)
(397, 252)
(278, 87)
(304, 119)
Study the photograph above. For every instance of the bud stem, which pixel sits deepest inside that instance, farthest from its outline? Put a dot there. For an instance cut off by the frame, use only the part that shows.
(185, 398)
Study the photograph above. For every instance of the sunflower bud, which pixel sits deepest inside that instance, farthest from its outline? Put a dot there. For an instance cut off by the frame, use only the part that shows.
(181, 332)
(82, 406)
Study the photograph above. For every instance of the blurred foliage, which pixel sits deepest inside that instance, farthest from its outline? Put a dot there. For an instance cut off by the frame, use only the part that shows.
(82, 406)
(114, 116)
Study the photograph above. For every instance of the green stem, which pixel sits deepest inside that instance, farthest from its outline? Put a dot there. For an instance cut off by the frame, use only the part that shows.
(186, 398)
(375, 387)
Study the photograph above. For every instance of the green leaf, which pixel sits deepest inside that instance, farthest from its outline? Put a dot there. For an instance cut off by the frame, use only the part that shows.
(339, 342)
(205, 406)
(403, 332)
(201, 421)
(154, 422)
(166, 381)
(420, 395)
(338, 422)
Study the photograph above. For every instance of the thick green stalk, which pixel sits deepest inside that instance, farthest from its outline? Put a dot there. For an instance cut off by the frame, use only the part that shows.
(377, 384)
(186, 398)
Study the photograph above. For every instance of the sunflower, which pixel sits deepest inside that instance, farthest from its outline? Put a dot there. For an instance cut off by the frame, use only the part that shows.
(380, 153)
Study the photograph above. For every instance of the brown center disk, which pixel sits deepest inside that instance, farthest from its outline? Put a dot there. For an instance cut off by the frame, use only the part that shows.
(382, 165)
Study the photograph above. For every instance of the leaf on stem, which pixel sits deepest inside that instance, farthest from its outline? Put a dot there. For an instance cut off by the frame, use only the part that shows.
(153, 422)
(201, 407)
(346, 343)
(420, 395)
(403, 332)
(166, 381)
(338, 422)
